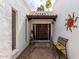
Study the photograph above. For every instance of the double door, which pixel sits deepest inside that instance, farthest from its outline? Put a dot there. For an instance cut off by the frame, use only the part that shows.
(41, 31)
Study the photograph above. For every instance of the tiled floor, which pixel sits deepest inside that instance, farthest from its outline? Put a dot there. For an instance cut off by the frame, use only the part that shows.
(38, 51)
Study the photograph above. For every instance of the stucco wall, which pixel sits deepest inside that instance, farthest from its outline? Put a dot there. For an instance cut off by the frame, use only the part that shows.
(62, 8)
(6, 28)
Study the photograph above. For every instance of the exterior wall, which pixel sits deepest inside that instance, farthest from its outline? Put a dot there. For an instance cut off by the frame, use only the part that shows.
(6, 28)
(62, 8)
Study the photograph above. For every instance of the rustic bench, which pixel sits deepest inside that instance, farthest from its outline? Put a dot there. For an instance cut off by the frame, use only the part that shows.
(61, 47)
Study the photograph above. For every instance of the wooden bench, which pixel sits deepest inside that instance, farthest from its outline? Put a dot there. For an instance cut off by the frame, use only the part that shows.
(60, 47)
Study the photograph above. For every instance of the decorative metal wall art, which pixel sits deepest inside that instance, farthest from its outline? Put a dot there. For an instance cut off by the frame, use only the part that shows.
(70, 22)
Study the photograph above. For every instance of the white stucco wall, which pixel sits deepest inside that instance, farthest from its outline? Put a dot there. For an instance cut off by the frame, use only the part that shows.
(6, 28)
(62, 8)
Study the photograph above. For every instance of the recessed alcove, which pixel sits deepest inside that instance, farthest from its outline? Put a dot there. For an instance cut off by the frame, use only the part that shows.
(41, 25)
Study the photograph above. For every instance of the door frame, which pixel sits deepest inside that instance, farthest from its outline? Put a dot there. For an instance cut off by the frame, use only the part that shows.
(42, 21)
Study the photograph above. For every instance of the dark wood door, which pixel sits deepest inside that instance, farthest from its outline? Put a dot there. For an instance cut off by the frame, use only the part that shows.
(41, 31)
